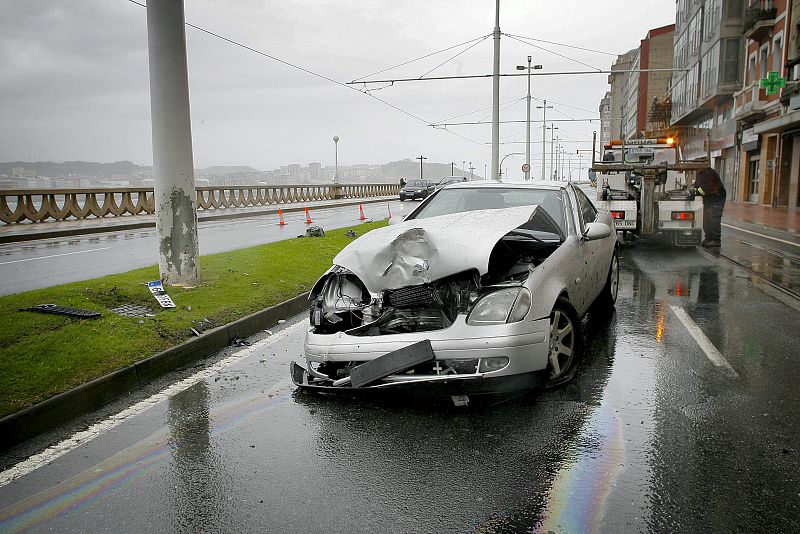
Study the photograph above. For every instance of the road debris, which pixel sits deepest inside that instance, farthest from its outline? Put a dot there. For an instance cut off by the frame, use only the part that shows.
(63, 310)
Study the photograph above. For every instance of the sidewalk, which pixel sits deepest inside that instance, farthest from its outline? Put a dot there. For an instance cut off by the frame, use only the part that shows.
(777, 222)
(10, 233)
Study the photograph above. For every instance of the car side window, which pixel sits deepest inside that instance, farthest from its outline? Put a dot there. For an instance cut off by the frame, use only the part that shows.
(587, 209)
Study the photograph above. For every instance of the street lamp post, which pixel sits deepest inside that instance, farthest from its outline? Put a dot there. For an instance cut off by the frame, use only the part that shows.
(544, 107)
(336, 165)
(504, 158)
(452, 167)
(420, 158)
(528, 121)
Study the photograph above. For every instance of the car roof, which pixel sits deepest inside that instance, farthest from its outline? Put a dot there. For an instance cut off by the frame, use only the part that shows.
(493, 184)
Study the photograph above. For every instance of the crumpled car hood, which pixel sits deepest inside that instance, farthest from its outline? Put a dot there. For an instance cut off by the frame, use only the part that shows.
(422, 250)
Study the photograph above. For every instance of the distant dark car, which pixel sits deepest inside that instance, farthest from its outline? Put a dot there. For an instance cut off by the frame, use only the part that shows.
(416, 189)
(450, 180)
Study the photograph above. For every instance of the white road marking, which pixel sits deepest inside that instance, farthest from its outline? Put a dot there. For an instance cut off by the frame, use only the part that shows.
(80, 438)
(54, 255)
(708, 348)
(762, 235)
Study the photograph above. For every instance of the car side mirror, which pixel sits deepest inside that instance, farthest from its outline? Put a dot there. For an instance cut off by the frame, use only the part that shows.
(596, 231)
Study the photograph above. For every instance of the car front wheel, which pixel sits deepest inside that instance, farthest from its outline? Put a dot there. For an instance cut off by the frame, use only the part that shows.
(565, 342)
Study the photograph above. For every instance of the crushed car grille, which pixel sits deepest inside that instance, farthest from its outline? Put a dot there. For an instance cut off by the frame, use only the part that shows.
(408, 297)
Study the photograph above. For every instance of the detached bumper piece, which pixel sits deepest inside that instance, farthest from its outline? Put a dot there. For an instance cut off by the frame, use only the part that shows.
(392, 363)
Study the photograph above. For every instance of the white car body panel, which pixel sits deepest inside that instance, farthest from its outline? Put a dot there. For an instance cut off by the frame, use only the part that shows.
(419, 251)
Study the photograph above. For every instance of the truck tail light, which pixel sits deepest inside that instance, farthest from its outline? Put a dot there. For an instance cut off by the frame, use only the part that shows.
(682, 215)
(617, 214)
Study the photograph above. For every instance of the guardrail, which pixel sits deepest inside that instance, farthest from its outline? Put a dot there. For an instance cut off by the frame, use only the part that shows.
(37, 205)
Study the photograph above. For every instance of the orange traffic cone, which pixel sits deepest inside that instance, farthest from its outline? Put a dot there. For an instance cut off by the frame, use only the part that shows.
(308, 217)
(361, 211)
(280, 214)
(389, 208)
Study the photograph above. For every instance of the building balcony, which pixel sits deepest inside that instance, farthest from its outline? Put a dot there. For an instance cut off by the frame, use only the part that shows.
(748, 109)
(758, 23)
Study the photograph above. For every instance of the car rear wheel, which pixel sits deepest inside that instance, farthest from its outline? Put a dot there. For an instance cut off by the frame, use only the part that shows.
(565, 342)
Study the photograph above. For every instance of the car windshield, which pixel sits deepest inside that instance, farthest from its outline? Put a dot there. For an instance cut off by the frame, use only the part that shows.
(456, 200)
(416, 183)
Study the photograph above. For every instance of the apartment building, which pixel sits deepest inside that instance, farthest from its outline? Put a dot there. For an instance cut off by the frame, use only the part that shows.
(768, 105)
(708, 61)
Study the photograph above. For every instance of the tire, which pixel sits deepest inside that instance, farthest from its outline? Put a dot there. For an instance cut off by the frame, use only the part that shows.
(607, 298)
(565, 344)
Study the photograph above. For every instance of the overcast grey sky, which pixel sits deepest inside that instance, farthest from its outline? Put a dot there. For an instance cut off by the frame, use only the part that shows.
(74, 82)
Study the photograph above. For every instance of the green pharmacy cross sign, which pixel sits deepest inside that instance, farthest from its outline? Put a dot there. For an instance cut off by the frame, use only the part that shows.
(772, 82)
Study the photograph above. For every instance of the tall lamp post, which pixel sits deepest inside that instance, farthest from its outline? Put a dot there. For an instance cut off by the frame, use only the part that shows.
(336, 165)
(544, 108)
(420, 158)
(528, 121)
(504, 158)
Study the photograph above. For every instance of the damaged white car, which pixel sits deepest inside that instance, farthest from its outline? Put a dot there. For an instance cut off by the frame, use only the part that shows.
(480, 290)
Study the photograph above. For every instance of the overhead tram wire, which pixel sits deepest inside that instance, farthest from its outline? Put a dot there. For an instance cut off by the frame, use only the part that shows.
(441, 124)
(554, 53)
(562, 44)
(483, 109)
(512, 75)
(479, 39)
(455, 56)
(316, 74)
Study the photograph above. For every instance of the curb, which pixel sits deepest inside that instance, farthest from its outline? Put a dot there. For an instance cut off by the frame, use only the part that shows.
(64, 407)
(201, 216)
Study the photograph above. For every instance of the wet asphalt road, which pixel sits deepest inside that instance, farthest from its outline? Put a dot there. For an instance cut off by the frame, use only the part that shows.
(48, 262)
(651, 436)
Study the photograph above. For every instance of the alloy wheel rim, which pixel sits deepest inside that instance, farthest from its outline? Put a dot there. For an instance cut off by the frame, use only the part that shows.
(562, 343)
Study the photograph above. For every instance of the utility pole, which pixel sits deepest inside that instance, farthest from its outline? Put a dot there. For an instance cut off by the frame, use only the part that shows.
(496, 96)
(471, 170)
(420, 158)
(544, 107)
(173, 164)
(452, 168)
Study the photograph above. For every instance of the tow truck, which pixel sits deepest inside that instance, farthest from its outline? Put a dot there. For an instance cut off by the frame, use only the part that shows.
(648, 189)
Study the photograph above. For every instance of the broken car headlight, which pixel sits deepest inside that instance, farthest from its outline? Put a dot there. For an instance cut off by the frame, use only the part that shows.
(502, 306)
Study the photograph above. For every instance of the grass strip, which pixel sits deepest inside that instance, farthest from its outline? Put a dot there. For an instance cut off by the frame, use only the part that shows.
(42, 355)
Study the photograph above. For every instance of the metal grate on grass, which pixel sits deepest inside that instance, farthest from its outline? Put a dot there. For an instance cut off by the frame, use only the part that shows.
(133, 310)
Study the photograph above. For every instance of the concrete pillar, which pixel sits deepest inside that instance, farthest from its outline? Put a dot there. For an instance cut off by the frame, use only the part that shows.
(173, 166)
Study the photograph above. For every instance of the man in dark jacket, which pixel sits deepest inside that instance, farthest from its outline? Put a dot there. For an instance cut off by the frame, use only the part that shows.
(709, 186)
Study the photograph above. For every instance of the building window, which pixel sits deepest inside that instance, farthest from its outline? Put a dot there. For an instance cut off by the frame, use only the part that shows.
(730, 65)
(732, 9)
(777, 53)
(711, 19)
(751, 70)
(764, 61)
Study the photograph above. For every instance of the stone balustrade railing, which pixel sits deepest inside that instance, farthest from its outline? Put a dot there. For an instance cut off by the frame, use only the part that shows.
(37, 205)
